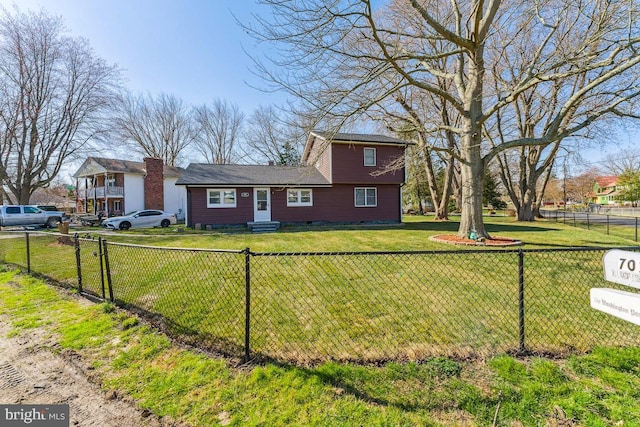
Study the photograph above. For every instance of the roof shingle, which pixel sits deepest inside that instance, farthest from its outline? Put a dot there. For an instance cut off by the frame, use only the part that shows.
(124, 166)
(251, 175)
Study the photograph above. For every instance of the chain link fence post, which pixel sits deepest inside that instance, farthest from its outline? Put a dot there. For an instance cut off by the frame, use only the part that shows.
(76, 245)
(101, 261)
(521, 326)
(247, 311)
(106, 264)
(26, 234)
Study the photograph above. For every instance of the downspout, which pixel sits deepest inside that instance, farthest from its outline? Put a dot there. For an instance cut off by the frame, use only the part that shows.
(94, 185)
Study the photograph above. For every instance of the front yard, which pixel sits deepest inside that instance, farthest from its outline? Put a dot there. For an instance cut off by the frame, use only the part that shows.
(412, 234)
(132, 362)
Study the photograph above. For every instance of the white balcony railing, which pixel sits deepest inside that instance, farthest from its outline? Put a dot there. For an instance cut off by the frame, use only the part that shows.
(99, 192)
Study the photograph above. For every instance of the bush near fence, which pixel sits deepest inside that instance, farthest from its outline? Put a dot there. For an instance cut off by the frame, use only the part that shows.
(366, 307)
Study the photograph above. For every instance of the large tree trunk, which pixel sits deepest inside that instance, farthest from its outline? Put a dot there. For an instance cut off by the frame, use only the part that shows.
(24, 194)
(472, 163)
(526, 211)
(471, 176)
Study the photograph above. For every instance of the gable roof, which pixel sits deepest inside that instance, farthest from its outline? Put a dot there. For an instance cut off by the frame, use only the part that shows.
(96, 165)
(360, 137)
(349, 138)
(251, 175)
(606, 181)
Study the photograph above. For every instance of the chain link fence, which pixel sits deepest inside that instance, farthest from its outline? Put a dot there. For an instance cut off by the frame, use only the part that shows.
(367, 307)
(626, 226)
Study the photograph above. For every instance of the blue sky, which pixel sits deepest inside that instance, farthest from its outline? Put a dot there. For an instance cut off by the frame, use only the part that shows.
(192, 49)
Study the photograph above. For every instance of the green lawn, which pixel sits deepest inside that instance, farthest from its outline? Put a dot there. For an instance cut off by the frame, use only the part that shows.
(310, 308)
(412, 234)
(125, 355)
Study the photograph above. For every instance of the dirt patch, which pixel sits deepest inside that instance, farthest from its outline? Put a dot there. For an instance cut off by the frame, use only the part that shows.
(32, 372)
(452, 239)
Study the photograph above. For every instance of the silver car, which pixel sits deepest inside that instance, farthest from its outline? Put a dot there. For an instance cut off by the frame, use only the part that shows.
(140, 219)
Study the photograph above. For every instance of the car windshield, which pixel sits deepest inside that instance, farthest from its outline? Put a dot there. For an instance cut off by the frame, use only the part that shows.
(131, 213)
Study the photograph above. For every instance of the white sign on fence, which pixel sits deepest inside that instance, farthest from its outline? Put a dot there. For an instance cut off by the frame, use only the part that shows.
(621, 267)
(625, 305)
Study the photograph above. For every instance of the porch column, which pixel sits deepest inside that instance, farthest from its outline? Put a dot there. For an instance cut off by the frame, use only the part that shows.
(105, 208)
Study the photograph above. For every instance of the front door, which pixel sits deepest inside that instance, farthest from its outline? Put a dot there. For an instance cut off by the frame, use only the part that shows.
(261, 204)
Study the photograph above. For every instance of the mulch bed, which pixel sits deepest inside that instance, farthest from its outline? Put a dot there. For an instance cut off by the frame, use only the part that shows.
(452, 239)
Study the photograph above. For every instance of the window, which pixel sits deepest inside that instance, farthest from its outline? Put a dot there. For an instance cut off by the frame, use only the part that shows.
(13, 210)
(31, 209)
(149, 213)
(299, 197)
(366, 197)
(221, 198)
(111, 180)
(369, 156)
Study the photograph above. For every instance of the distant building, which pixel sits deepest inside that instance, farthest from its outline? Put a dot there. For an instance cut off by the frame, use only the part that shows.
(119, 186)
(605, 191)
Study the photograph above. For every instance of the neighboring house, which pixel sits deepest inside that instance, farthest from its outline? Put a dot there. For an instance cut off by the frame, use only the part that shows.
(352, 178)
(605, 190)
(120, 186)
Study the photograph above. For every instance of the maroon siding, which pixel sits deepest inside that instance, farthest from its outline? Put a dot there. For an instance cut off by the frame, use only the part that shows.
(199, 213)
(336, 204)
(320, 157)
(348, 164)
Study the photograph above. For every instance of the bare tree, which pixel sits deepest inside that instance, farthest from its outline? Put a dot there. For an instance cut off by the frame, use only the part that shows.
(434, 147)
(623, 161)
(218, 131)
(270, 138)
(53, 91)
(159, 127)
(580, 188)
(342, 58)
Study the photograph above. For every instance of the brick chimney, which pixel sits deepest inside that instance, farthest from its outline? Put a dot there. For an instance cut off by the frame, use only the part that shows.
(153, 183)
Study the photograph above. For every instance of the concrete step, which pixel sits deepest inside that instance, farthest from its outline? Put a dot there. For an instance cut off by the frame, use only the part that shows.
(263, 226)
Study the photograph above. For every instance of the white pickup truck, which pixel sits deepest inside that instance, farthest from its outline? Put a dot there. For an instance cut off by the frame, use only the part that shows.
(21, 215)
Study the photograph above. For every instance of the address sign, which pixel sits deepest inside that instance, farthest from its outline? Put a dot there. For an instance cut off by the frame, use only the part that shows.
(622, 267)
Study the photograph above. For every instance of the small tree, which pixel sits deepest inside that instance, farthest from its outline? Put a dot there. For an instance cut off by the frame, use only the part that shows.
(491, 197)
(580, 187)
(628, 187)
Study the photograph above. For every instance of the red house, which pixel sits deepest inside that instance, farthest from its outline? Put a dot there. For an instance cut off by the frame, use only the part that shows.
(350, 178)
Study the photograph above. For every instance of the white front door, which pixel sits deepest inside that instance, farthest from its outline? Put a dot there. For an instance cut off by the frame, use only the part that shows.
(261, 204)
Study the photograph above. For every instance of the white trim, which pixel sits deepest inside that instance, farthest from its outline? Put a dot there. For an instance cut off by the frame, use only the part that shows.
(364, 155)
(250, 185)
(365, 205)
(222, 203)
(262, 215)
(299, 201)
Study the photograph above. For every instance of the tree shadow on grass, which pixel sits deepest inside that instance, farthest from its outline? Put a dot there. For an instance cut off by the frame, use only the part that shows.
(387, 385)
(452, 226)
